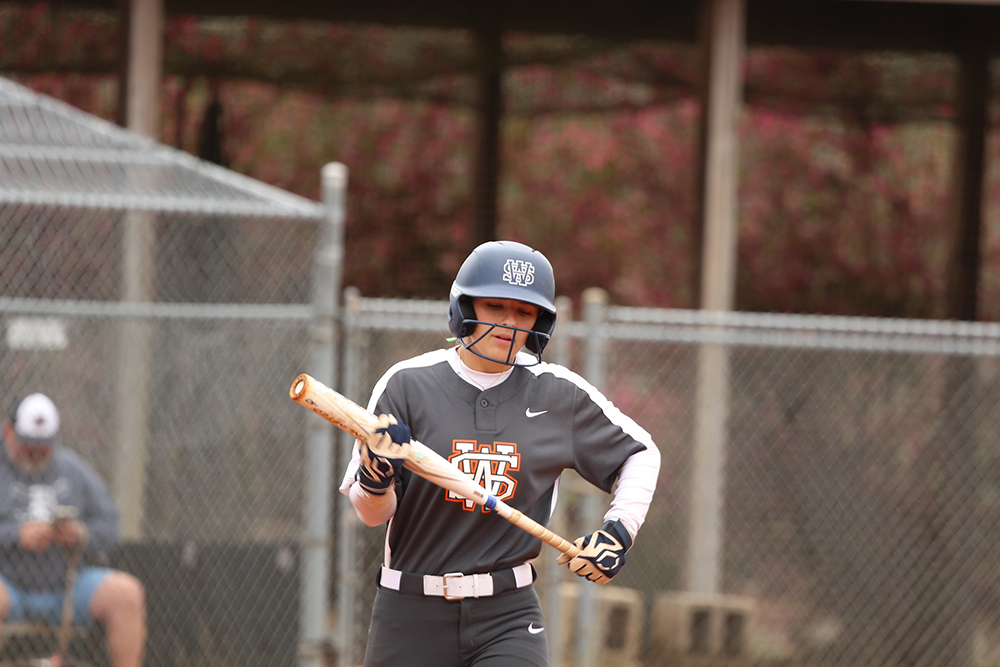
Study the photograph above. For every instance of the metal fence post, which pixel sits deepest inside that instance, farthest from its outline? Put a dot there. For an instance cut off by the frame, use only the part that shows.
(595, 302)
(145, 45)
(707, 475)
(327, 276)
(134, 372)
(726, 35)
(347, 518)
(560, 347)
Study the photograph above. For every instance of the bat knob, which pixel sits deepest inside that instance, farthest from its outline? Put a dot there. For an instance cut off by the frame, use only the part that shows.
(298, 386)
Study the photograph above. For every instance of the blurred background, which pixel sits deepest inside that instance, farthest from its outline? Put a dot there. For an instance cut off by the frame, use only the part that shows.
(790, 210)
(845, 155)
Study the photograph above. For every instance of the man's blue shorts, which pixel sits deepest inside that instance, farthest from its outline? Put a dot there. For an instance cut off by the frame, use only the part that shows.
(47, 607)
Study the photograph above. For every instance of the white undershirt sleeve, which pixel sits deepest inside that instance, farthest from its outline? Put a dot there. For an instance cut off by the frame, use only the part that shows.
(634, 492)
(372, 509)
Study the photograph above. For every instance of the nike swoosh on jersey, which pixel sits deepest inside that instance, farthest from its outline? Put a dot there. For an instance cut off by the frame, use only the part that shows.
(529, 414)
(533, 630)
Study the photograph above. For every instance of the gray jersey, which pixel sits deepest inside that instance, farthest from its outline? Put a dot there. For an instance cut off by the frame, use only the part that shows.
(67, 481)
(515, 439)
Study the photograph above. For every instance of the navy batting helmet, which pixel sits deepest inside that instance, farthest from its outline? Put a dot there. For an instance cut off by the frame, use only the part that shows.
(505, 270)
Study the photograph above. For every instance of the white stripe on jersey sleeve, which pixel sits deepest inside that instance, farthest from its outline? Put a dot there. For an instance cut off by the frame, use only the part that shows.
(419, 361)
(637, 480)
(617, 417)
(426, 359)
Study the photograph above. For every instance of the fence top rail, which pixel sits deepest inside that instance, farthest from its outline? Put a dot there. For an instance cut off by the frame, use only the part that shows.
(128, 309)
(823, 323)
(822, 332)
(403, 306)
(703, 319)
(394, 314)
(683, 327)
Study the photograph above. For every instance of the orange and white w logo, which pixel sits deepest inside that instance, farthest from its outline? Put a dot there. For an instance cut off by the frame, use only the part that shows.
(487, 465)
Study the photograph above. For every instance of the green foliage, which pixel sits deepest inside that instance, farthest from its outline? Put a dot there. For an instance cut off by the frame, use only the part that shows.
(844, 157)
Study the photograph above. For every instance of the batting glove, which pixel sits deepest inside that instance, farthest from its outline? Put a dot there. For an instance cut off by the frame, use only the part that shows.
(602, 553)
(377, 472)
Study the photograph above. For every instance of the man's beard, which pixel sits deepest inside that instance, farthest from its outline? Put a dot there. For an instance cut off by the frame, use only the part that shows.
(32, 467)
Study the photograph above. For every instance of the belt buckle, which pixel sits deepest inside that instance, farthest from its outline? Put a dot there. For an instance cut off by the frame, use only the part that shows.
(444, 585)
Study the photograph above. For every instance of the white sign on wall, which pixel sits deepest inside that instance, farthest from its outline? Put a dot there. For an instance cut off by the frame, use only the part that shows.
(36, 333)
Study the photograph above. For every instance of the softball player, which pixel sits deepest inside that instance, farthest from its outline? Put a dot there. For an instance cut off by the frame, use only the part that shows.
(455, 586)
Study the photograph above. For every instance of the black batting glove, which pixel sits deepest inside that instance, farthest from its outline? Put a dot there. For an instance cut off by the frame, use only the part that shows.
(400, 434)
(602, 553)
(377, 471)
(378, 474)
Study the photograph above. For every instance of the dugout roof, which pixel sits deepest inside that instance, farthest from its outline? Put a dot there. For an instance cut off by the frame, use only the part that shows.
(864, 24)
(52, 154)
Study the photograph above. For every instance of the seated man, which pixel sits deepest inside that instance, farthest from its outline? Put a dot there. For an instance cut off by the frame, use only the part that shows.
(42, 483)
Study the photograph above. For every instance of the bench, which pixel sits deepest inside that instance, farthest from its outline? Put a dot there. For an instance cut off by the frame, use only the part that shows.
(25, 642)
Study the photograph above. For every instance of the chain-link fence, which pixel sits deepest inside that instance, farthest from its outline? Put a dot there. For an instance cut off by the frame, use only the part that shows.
(828, 485)
(164, 303)
(828, 493)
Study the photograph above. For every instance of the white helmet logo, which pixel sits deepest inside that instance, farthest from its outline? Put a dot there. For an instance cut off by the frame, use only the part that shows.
(518, 272)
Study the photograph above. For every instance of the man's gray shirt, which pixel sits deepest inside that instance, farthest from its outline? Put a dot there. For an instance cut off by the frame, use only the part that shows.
(515, 439)
(67, 481)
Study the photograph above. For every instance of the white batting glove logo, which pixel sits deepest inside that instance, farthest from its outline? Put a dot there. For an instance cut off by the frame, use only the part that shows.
(602, 553)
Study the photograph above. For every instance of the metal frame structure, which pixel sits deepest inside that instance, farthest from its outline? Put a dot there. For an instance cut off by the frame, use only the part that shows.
(53, 156)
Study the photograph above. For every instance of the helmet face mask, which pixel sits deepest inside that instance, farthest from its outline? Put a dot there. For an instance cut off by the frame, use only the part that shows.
(536, 341)
(504, 270)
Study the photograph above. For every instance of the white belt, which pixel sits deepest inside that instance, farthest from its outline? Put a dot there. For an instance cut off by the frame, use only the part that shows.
(455, 585)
